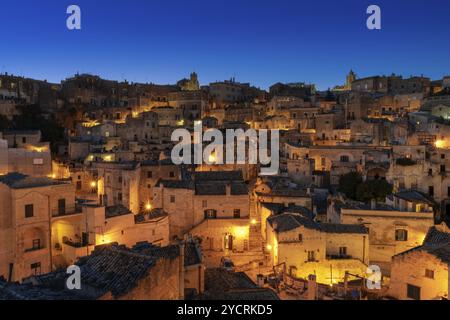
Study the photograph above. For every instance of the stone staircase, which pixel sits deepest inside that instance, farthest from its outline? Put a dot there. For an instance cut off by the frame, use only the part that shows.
(255, 237)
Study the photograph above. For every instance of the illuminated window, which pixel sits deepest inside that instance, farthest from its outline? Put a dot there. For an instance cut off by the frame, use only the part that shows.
(401, 235)
(210, 214)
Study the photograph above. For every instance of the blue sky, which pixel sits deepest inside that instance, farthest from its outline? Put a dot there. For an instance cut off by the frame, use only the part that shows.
(257, 41)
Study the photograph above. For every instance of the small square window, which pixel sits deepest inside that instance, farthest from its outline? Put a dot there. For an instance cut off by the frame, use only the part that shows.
(401, 235)
(36, 244)
(172, 199)
(429, 273)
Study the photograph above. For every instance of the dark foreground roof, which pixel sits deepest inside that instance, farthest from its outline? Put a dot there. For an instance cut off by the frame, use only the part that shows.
(289, 221)
(16, 180)
(110, 268)
(226, 285)
(414, 196)
(116, 211)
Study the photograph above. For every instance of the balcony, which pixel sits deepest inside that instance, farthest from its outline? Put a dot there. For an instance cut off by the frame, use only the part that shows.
(339, 257)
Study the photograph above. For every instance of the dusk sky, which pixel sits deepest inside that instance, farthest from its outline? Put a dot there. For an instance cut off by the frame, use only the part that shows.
(261, 42)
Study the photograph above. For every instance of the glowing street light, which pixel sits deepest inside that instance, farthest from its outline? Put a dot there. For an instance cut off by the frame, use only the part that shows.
(440, 144)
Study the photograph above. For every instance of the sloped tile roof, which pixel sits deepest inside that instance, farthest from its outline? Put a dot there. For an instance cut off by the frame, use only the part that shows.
(16, 180)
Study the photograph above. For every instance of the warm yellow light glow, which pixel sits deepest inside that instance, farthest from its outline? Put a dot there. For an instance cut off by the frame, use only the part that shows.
(240, 232)
(180, 123)
(135, 114)
(91, 157)
(269, 247)
(253, 221)
(105, 239)
(38, 149)
(107, 158)
(212, 158)
(148, 206)
(93, 184)
(440, 144)
(90, 124)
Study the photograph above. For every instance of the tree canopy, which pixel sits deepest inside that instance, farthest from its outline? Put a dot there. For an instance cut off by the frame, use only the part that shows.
(353, 186)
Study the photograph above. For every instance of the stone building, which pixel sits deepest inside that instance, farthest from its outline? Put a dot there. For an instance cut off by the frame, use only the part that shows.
(210, 195)
(157, 273)
(28, 205)
(421, 273)
(23, 151)
(191, 103)
(75, 235)
(324, 249)
(394, 227)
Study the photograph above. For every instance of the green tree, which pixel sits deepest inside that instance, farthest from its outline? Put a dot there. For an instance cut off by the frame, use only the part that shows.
(373, 189)
(348, 184)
